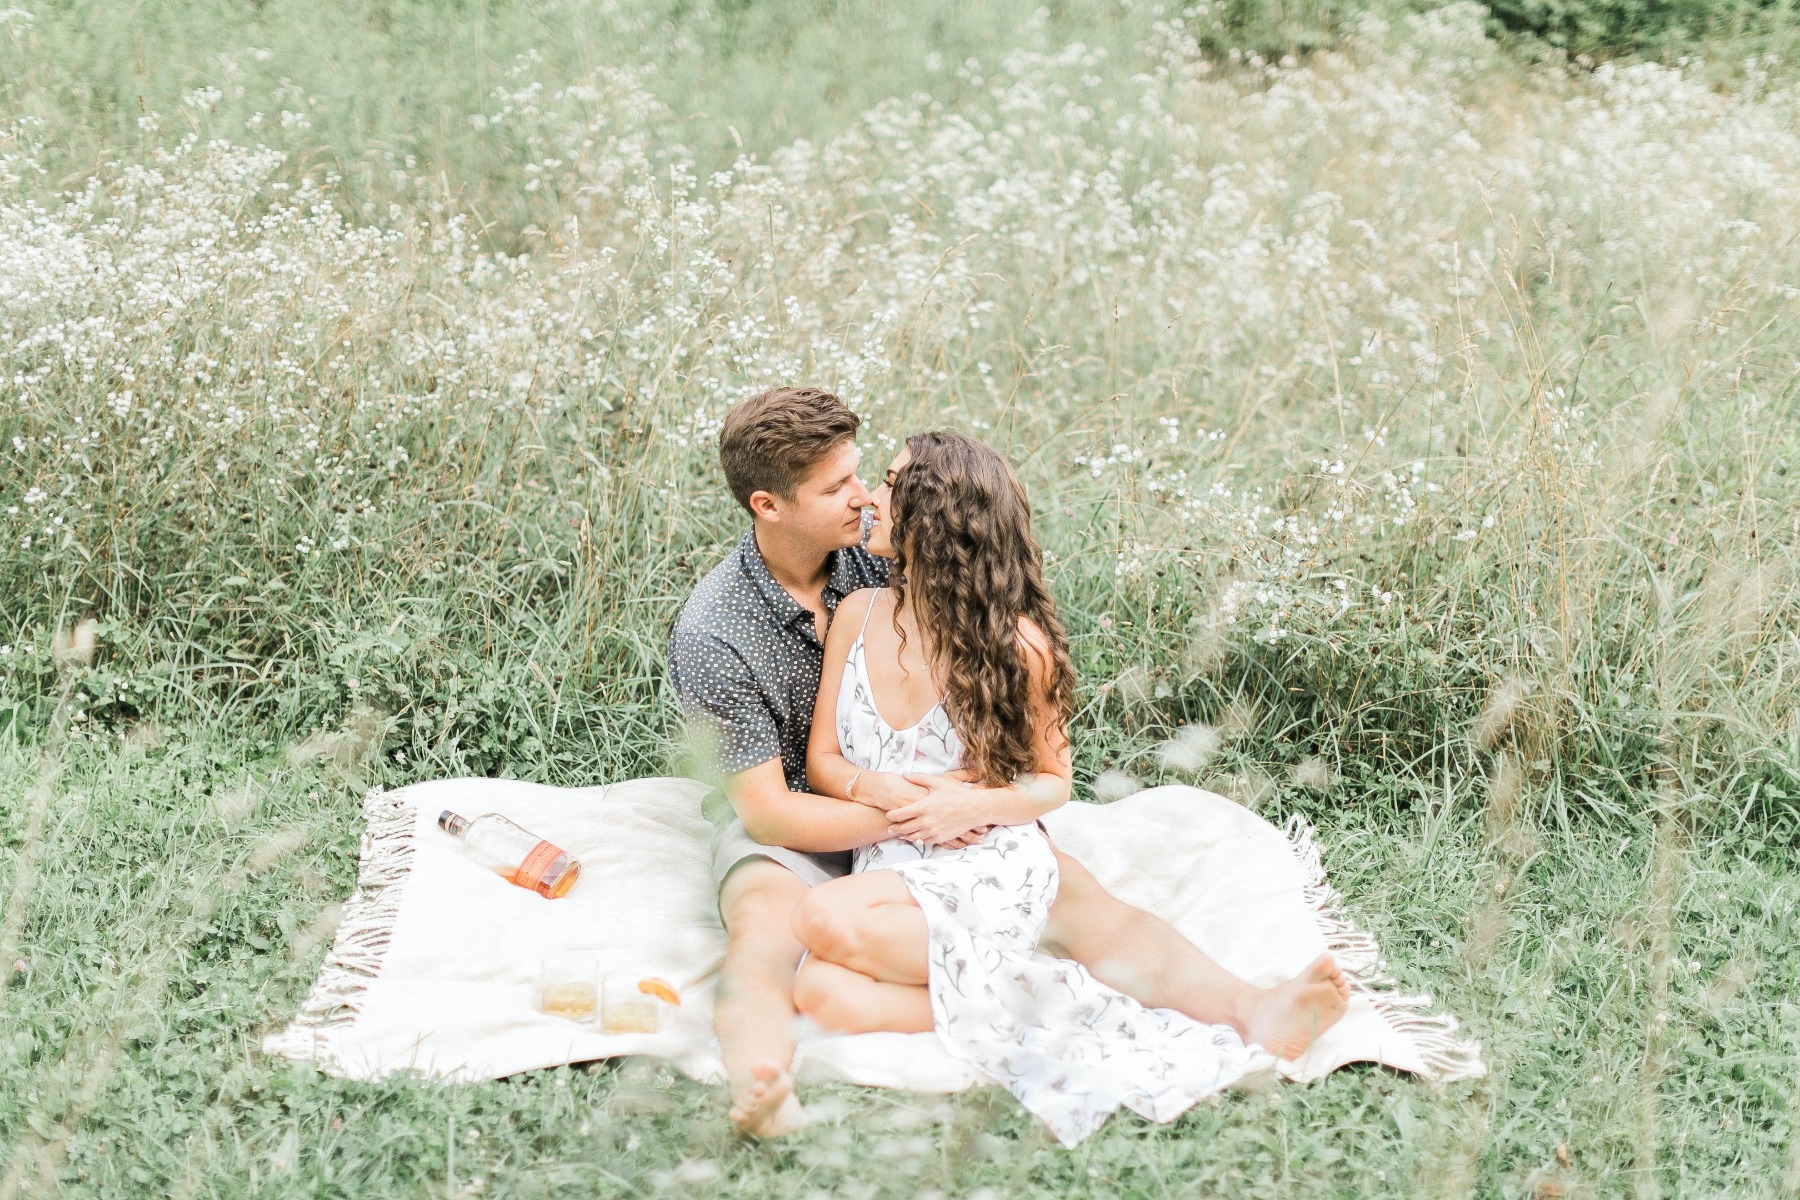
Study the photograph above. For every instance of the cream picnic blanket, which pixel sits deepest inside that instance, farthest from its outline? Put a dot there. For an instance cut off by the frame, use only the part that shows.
(435, 963)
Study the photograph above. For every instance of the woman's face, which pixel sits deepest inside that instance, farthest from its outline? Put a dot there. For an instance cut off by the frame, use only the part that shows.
(881, 533)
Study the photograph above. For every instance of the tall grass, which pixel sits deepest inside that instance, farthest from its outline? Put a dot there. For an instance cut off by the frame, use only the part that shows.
(1424, 404)
(384, 94)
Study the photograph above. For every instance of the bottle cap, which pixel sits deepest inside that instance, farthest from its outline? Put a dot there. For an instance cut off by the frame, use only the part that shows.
(449, 822)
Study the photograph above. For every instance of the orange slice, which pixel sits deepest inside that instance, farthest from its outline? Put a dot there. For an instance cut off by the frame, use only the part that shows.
(662, 989)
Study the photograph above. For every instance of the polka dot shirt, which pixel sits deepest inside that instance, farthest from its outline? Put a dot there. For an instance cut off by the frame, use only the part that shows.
(745, 657)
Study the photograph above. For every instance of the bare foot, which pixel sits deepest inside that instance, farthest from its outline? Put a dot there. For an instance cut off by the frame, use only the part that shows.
(771, 1109)
(1289, 1017)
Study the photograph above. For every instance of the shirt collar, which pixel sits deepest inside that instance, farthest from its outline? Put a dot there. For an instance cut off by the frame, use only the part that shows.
(841, 579)
(844, 577)
(786, 609)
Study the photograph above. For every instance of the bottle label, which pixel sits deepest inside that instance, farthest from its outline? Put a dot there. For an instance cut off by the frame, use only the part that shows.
(531, 872)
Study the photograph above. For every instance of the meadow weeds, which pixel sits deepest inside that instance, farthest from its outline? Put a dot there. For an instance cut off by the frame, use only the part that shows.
(1391, 350)
(1411, 431)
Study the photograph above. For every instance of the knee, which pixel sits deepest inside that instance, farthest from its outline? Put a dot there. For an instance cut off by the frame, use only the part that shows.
(754, 923)
(758, 925)
(754, 889)
(824, 926)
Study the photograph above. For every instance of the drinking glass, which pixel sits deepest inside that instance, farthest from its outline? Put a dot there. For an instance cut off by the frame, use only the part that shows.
(624, 1009)
(567, 986)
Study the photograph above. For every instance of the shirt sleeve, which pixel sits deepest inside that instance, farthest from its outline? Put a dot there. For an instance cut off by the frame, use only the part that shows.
(728, 716)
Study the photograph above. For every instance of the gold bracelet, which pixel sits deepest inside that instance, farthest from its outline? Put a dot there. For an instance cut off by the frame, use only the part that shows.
(850, 788)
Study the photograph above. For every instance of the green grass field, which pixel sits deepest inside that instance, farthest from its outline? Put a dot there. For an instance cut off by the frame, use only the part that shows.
(1419, 413)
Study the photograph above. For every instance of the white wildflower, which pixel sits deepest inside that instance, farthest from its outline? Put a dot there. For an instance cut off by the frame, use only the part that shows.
(1114, 785)
(697, 1171)
(75, 647)
(1497, 713)
(274, 848)
(1190, 748)
(1312, 773)
(232, 805)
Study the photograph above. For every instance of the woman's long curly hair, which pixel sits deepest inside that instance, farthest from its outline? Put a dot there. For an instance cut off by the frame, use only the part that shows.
(964, 552)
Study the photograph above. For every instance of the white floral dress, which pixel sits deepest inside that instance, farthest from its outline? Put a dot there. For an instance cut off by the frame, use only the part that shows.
(1069, 1047)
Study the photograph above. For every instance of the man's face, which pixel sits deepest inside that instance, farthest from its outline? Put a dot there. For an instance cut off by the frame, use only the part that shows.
(826, 508)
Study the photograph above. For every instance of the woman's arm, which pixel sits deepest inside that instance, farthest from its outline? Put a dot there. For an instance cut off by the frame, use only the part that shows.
(828, 772)
(953, 809)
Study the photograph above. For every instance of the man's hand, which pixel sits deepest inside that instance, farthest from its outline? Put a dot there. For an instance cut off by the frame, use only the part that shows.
(950, 812)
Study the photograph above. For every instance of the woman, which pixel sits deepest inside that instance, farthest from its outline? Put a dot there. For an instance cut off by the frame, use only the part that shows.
(963, 667)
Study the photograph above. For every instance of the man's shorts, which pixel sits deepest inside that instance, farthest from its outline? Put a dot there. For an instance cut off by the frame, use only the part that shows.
(732, 846)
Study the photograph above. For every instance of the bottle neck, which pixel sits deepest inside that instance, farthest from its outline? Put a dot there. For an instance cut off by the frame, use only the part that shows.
(452, 824)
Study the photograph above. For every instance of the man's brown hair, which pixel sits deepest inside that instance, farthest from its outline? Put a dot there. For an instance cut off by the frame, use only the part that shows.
(770, 442)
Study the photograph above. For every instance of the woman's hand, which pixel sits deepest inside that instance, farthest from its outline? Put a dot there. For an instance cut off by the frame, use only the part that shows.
(887, 791)
(941, 816)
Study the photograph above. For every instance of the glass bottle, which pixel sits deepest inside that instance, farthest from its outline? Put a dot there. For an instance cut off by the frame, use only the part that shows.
(514, 854)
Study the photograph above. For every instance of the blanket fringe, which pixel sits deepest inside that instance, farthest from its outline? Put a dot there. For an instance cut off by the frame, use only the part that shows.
(363, 933)
(1446, 1057)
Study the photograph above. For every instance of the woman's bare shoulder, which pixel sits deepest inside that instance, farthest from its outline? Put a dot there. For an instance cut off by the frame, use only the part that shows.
(860, 601)
(1034, 642)
(849, 616)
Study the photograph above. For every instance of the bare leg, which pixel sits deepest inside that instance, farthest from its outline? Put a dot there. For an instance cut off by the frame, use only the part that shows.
(754, 1013)
(1147, 959)
(868, 923)
(845, 1001)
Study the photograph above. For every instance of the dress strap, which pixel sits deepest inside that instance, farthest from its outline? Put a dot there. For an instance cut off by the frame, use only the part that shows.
(866, 612)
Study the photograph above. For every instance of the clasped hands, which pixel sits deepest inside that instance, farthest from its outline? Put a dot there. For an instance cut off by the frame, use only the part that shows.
(942, 810)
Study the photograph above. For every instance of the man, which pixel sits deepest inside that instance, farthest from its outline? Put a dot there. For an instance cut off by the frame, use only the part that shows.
(745, 657)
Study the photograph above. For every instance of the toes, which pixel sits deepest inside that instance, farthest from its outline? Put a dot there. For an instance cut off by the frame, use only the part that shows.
(1325, 969)
(758, 1112)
